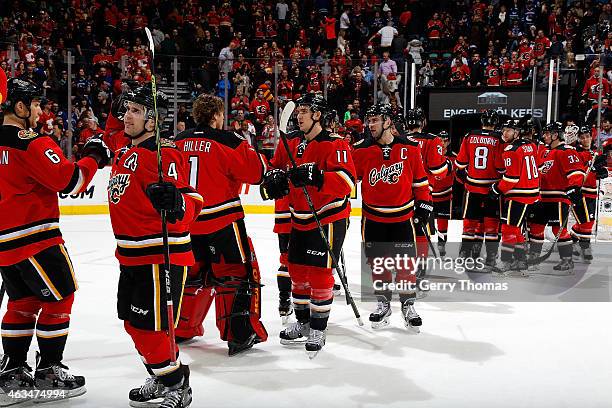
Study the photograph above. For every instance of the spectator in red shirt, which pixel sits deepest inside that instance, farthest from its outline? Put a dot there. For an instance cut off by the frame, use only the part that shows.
(260, 109)
(45, 120)
(460, 74)
(542, 44)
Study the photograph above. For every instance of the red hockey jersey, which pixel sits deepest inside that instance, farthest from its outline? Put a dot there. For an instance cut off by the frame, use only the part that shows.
(521, 179)
(589, 187)
(32, 171)
(136, 224)
(560, 169)
(591, 88)
(493, 75)
(219, 163)
(393, 178)
(332, 154)
(481, 157)
(443, 189)
(436, 164)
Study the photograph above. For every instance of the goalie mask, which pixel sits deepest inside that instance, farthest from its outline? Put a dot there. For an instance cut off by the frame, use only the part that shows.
(570, 134)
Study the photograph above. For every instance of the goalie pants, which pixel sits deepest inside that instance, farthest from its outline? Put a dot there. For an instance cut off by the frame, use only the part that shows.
(311, 271)
(40, 290)
(226, 270)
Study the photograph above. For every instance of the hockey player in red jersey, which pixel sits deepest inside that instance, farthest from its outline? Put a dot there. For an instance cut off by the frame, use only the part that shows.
(561, 178)
(395, 191)
(584, 211)
(326, 170)
(220, 162)
(519, 189)
(36, 269)
(136, 198)
(479, 165)
(442, 195)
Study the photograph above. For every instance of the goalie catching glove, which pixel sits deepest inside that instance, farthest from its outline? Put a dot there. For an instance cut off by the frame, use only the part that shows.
(307, 174)
(165, 196)
(275, 185)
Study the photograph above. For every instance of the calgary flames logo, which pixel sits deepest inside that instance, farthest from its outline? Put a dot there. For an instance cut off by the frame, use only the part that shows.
(389, 175)
(117, 186)
(547, 165)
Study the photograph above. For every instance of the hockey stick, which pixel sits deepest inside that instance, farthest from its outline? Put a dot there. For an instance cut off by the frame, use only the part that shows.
(166, 246)
(426, 233)
(2, 291)
(550, 250)
(285, 115)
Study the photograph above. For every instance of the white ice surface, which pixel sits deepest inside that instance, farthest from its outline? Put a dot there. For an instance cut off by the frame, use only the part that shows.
(467, 354)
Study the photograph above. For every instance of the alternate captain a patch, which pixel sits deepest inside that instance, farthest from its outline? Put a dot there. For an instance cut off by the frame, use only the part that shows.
(26, 134)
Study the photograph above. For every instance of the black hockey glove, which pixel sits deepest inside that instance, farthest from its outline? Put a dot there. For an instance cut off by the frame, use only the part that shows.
(601, 173)
(165, 196)
(96, 148)
(599, 162)
(494, 193)
(422, 212)
(275, 185)
(461, 175)
(575, 195)
(307, 174)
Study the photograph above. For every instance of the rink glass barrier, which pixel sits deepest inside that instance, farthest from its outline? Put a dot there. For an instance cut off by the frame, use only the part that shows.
(453, 279)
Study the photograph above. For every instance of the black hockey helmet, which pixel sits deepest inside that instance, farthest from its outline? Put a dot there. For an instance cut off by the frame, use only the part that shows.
(21, 90)
(512, 124)
(553, 127)
(399, 121)
(314, 101)
(414, 118)
(142, 95)
(489, 117)
(383, 109)
(420, 113)
(585, 129)
(444, 135)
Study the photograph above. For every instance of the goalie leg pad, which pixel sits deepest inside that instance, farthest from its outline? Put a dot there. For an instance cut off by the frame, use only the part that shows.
(238, 300)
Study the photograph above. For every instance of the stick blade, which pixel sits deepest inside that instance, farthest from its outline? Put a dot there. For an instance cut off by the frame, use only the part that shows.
(286, 115)
(150, 37)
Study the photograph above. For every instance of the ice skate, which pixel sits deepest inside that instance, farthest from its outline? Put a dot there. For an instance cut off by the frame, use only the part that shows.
(178, 396)
(15, 380)
(57, 378)
(565, 267)
(586, 254)
(285, 310)
(380, 317)
(315, 342)
(150, 394)
(295, 333)
(412, 320)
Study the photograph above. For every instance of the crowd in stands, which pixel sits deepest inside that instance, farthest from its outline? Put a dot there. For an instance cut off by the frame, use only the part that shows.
(346, 49)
